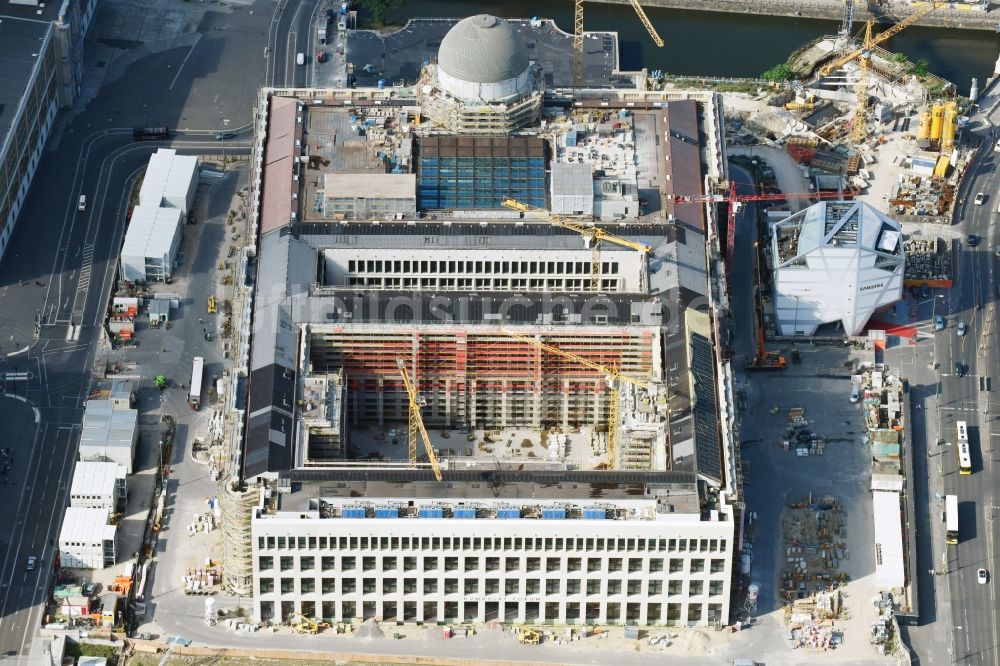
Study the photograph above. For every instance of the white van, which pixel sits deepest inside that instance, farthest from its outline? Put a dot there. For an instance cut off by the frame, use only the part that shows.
(82, 204)
(300, 59)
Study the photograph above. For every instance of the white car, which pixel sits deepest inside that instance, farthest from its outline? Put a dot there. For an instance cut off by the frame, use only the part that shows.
(961, 328)
(996, 148)
(980, 198)
(938, 323)
(983, 576)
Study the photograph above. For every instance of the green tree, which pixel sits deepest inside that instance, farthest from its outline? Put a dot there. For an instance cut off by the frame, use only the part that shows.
(382, 11)
(899, 57)
(778, 73)
(921, 67)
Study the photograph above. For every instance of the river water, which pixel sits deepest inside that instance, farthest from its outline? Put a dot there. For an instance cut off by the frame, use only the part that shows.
(720, 44)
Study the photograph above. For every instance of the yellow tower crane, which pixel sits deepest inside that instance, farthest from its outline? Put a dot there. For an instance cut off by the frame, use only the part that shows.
(613, 376)
(863, 55)
(592, 237)
(417, 423)
(578, 35)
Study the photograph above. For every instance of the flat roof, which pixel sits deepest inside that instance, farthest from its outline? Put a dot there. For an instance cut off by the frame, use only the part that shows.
(167, 175)
(108, 426)
(20, 48)
(572, 179)
(371, 185)
(151, 231)
(886, 513)
(85, 526)
(96, 478)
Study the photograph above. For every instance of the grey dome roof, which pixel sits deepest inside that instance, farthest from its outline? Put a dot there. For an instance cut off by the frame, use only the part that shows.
(482, 49)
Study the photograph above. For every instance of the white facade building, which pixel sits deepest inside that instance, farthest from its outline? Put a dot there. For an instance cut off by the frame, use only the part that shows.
(575, 558)
(552, 269)
(109, 433)
(171, 181)
(836, 261)
(86, 540)
(151, 244)
(99, 485)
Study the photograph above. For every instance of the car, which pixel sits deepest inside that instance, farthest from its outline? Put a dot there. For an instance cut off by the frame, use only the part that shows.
(980, 198)
(996, 148)
(972, 240)
(855, 393)
(81, 204)
(983, 576)
(925, 291)
(32, 563)
(996, 251)
(959, 369)
(144, 636)
(961, 328)
(89, 589)
(938, 323)
(222, 136)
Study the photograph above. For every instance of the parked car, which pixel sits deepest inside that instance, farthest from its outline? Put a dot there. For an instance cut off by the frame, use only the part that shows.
(983, 576)
(980, 198)
(855, 393)
(961, 328)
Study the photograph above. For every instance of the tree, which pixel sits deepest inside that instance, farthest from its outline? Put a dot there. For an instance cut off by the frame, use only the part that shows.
(921, 67)
(382, 10)
(899, 58)
(160, 382)
(778, 73)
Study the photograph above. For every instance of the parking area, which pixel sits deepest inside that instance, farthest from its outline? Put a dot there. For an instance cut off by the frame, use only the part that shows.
(805, 459)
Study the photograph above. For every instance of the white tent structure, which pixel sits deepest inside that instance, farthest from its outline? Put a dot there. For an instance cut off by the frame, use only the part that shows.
(836, 261)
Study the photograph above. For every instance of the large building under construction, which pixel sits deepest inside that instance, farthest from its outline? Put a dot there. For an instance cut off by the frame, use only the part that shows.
(558, 370)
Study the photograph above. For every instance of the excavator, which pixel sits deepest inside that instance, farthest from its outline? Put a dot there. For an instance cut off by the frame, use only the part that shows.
(763, 359)
(528, 636)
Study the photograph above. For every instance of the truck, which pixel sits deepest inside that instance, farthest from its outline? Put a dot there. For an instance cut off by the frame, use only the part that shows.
(144, 133)
(321, 34)
(197, 372)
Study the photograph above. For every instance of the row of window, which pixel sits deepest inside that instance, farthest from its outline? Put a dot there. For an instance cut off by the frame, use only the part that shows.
(597, 586)
(479, 267)
(487, 284)
(674, 565)
(604, 612)
(506, 544)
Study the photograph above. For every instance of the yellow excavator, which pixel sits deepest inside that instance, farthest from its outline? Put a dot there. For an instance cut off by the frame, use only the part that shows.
(528, 636)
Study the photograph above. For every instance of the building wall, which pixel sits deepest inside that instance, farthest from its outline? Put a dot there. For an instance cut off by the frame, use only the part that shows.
(563, 572)
(22, 150)
(93, 554)
(556, 270)
(478, 378)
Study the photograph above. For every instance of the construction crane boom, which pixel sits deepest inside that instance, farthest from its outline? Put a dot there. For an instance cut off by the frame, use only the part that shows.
(417, 423)
(613, 376)
(870, 41)
(578, 36)
(646, 22)
(592, 237)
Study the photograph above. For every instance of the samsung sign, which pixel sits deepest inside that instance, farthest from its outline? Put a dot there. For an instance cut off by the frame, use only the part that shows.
(869, 287)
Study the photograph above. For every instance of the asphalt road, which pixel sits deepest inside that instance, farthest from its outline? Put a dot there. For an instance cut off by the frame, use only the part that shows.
(972, 301)
(57, 274)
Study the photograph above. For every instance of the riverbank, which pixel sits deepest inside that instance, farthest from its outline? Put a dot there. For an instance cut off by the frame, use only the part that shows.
(961, 17)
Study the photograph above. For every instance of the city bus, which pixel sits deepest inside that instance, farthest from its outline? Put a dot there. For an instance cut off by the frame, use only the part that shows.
(964, 457)
(951, 519)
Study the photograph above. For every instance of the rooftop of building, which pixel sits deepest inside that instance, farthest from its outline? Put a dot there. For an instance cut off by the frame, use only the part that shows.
(22, 32)
(96, 477)
(639, 496)
(837, 224)
(482, 49)
(85, 526)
